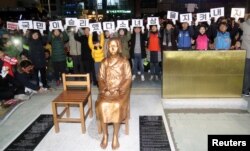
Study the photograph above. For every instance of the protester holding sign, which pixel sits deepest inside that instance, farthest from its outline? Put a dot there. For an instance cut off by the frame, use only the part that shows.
(222, 40)
(168, 36)
(97, 51)
(88, 62)
(138, 52)
(57, 38)
(202, 39)
(125, 37)
(185, 34)
(75, 51)
(154, 47)
(35, 43)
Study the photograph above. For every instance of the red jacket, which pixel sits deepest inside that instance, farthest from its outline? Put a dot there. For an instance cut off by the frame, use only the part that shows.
(154, 42)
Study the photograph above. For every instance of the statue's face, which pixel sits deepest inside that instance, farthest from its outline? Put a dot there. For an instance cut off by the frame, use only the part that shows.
(113, 48)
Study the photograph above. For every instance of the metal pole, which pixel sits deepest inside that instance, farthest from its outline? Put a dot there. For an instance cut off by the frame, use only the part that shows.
(96, 17)
(49, 8)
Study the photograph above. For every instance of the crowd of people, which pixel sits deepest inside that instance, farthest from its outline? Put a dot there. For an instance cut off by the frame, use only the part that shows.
(25, 58)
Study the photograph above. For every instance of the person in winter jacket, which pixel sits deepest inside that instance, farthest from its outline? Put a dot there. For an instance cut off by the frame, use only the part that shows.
(138, 52)
(154, 47)
(185, 34)
(168, 37)
(202, 39)
(97, 50)
(125, 37)
(75, 52)
(37, 56)
(222, 40)
(58, 55)
(23, 75)
(88, 62)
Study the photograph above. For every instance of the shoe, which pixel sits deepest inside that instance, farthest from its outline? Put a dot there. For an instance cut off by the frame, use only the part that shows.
(151, 77)
(156, 78)
(133, 77)
(246, 94)
(139, 72)
(142, 78)
(22, 97)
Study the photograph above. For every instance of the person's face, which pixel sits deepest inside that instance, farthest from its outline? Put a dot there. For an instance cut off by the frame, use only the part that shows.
(86, 31)
(113, 48)
(35, 36)
(121, 32)
(107, 33)
(137, 30)
(169, 27)
(202, 30)
(223, 28)
(28, 69)
(154, 28)
(56, 32)
(184, 25)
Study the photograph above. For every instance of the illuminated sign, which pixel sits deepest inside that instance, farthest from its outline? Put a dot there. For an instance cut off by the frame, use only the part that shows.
(118, 11)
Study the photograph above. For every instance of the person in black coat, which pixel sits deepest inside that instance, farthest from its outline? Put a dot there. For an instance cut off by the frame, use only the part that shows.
(88, 62)
(168, 36)
(23, 75)
(37, 56)
(137, 51)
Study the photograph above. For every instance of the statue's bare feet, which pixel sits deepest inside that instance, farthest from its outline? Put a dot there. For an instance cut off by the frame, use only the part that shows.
(104, 142)
(115, 143)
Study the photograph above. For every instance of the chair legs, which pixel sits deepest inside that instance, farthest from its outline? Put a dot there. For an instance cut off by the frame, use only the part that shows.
(54, 110)
(90, 107)
(82, 118)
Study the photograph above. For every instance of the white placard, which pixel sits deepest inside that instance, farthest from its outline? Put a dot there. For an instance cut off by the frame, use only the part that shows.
(217, 12)
(203, 17)
(55, 25)
(173, 16)
(153, 21)
(109, 26)
(12, 25)
(186, 18)
(25, 24)
(71, 22)
(83, 23)
(39, 25)
(238, 13)
(95, 27)
(137, 23)
(122, 24)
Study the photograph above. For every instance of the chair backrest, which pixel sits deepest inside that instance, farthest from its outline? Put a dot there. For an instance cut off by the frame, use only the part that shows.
(69, 80)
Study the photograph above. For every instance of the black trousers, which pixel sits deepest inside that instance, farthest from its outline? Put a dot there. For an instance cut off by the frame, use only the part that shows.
(43, 76)
(59, 68)
(89, 67)
(78, 64)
